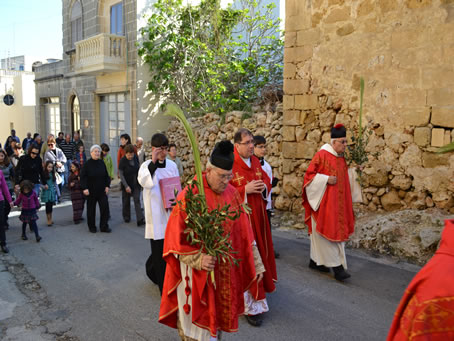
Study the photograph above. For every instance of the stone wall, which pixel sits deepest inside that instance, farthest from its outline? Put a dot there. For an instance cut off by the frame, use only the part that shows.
(403, 49)
(208, 131)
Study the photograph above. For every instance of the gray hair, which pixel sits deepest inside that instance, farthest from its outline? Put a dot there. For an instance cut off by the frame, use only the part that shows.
(95, 146)
(139, 139)
(209, 165)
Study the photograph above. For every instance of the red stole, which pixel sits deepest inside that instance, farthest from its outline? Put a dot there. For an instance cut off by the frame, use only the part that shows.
(334, 218)
(242, 175)
(426, 311)
(212, 309)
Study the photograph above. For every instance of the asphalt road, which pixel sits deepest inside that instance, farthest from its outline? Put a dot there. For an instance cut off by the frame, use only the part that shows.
(93, 287)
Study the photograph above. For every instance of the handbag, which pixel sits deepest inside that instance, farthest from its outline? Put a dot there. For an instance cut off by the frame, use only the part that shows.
(58, 178)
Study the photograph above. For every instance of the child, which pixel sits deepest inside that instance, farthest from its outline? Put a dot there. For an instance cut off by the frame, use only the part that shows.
(260, 152)
(30, 204)
(107, 160)
(49, 194)
(77, 196)
(109, 164)
(81, 158)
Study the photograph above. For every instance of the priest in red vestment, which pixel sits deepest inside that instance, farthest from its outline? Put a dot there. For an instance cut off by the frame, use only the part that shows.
(327, 201)
(426, 311)
(189, 300)
(253, 184)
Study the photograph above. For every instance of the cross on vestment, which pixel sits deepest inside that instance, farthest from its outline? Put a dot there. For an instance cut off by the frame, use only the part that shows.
(258, 173)
(238, 179)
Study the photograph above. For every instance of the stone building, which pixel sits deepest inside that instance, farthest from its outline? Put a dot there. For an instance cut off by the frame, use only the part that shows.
(94, 88)
(91, 89)
(17, 103)
(403, 49)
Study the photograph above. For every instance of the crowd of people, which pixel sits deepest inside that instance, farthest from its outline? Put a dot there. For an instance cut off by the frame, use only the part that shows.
(35, 173)
(235, 174)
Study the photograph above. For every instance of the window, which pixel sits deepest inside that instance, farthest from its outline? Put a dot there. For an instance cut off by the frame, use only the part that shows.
(116, 19)
(76, 23)
(52, 110)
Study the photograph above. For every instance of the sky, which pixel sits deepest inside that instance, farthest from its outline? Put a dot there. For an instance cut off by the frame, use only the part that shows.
(31, 27)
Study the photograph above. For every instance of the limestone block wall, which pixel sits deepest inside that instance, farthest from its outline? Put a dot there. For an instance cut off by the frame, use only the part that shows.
(403, 49)
(209, 131)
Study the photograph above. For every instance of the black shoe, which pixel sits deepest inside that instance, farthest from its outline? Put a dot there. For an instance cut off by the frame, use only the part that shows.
(255, 320)
(38, 239)
(4, 249)
(92, 230)
(276, 255)
(24, 237)
(6, 227)
(107, 230)
(127, 220)
(320, 268)
(76, 222)
(141, 222)
(340, 274)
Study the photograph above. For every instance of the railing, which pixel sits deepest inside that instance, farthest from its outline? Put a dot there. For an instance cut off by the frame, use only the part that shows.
(100, 53)
(14, 73)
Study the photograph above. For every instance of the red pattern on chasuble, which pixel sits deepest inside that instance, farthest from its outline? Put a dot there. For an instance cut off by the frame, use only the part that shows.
(259, 220)
(334, 218)
(426, 310)
(212, 309)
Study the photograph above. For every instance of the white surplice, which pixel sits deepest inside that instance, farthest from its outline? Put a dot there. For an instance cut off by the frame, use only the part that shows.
(269, 171)
(323, 251)
(189, 329)
(156, 216)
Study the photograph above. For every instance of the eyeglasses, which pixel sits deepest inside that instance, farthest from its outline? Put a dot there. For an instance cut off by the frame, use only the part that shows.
(224, 177)
(33, 153)
(341, 141)
(50, 144)
(247, 142)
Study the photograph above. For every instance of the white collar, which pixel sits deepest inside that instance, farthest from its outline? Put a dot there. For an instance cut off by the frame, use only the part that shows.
(246, 161)
(329, 149)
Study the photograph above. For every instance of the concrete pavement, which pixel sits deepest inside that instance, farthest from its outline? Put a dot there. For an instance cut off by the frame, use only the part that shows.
(75, 285)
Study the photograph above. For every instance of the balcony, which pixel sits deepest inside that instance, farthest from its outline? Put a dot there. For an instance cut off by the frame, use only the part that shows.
(103, 53)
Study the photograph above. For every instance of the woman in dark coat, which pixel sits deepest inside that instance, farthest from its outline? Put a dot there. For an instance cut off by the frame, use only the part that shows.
(77, 196)
(128, 170)
(30, 167)
(95, 183)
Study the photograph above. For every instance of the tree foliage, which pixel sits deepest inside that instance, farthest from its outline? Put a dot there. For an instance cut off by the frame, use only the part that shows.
(208, 59)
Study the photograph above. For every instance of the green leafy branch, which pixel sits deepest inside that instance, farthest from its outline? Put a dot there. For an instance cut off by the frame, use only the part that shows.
(357, 153)
(205, 227)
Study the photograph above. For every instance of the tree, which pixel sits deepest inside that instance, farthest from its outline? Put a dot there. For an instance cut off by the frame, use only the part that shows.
(208, 59)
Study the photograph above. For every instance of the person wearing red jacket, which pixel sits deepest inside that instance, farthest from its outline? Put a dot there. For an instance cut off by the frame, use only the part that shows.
(426, 310)
(189, 301)
(328, 206)
(253, 184)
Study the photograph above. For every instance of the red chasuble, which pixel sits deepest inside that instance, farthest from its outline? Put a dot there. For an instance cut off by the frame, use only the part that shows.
(242, 174)
(334, 218)
(426, 311)
(212, 309)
